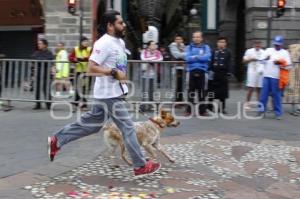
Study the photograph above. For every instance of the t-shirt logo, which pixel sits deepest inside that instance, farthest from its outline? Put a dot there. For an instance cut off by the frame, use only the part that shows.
(122, 62)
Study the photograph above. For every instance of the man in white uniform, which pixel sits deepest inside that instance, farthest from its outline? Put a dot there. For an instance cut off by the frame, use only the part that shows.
(107, 62)
(253, 57)
(272, 75)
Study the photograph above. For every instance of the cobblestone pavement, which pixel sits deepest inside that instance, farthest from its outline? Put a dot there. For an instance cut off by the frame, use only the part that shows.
(216, 166)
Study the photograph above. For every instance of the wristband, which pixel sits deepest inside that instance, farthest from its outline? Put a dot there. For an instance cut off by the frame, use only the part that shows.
(114, 72)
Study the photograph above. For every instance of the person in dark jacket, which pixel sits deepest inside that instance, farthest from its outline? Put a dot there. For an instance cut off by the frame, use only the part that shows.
(197, 57)
(219, 71)
(42, 72)
(177, 51)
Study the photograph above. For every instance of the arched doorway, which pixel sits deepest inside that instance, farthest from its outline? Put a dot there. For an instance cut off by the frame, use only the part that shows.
(20, 24)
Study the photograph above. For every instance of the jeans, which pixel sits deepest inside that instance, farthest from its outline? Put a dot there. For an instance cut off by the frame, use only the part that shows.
(43, 79)
(197, 87)
(271, 86)
(92, 121)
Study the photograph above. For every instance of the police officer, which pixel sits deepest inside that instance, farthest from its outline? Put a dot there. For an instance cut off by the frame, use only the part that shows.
(219, 70)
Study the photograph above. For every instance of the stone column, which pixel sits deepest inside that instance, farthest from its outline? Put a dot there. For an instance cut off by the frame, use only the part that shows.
(62, 26)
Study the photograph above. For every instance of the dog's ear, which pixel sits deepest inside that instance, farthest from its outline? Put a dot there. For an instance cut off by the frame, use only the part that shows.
(161, 122)
(163, 113)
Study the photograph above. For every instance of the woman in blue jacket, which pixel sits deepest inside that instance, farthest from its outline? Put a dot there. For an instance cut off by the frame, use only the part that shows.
(198, 56)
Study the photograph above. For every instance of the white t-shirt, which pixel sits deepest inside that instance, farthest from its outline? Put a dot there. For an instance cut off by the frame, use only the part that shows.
(109, 51)
(254, 67)
(271, 69)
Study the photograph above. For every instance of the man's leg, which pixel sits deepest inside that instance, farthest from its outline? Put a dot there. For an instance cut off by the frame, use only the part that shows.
(179, 85)
(77, 85)
(89, 123)
(249, 94)
(201, 92)
(223, 105)
(47, 81)
(264, 95)
(276, 97)
(86, 88)
(121, 117)
(37, 85)
(258, 93)
(191, 92)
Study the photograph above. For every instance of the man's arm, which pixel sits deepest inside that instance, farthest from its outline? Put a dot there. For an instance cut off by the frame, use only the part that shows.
(206, 57)
(176, 52)
(229, 63)
(189, 58)
(143, 56)
(72, 56)
(159, 56)
(247, 58)
(95, 70)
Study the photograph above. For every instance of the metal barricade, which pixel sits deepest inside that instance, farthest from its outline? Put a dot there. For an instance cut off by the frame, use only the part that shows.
(152, 81)
(30, 81)
(34, 81)
(292, 91)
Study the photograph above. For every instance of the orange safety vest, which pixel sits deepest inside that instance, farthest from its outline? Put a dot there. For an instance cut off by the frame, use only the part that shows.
(284, 73)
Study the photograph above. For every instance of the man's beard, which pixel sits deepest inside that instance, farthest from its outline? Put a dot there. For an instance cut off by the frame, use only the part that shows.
(120, 34)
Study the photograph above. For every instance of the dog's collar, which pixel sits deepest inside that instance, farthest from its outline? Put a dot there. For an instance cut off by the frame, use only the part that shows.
(155, 122)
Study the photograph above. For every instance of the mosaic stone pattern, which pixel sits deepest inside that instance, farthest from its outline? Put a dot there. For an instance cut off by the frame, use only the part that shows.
(214, 168)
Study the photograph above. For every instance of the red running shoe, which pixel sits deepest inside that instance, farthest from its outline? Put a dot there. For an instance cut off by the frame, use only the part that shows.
(149, 168)
(52, 147)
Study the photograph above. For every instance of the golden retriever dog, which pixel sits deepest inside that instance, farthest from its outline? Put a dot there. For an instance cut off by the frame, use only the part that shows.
(148, 135)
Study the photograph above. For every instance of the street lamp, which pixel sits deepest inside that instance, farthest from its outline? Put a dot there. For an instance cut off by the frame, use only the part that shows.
(72, 10)
(193, 11)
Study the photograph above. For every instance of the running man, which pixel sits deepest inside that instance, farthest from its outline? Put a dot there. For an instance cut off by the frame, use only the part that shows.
(108, 63)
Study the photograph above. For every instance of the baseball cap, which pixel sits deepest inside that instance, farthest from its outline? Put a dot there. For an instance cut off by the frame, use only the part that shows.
(278, 40)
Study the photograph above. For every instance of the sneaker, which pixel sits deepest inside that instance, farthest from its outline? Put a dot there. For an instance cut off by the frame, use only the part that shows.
(247, 106)
(278, 118)
(52, 147)
(149, 168)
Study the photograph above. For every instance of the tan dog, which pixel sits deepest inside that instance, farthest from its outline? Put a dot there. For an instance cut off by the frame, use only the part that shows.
(148, 135)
